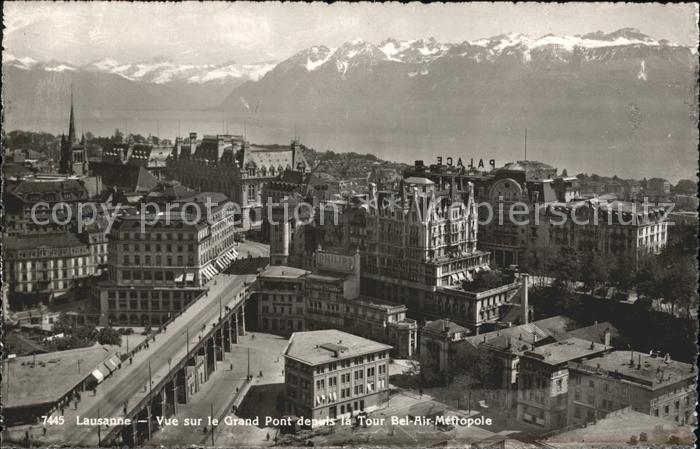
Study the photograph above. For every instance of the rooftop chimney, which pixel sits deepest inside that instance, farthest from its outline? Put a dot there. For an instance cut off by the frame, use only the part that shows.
(524, 278)
(606, 337)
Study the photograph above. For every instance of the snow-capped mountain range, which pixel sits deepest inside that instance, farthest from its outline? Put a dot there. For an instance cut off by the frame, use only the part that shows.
(312, 75)
(158, 71)
(356, 53)
(425, 51)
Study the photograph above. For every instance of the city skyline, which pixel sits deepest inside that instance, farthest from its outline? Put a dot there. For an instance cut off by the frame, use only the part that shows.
(254, 33)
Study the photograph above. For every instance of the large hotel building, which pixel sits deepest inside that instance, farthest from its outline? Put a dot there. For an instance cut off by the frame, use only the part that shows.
(624, 229)
(158, 263)
(230, 165)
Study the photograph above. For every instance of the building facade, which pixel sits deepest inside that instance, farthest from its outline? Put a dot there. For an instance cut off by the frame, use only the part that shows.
(330, 374)
(158, 263)
(619, 230)
(543, 381)
(648, 383)
(52, 263)
(291, 300)
(230, 165)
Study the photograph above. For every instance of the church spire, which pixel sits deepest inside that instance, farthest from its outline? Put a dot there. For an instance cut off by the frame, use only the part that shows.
(71, 125)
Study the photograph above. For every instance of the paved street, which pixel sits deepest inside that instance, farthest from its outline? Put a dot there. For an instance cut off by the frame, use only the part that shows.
(266, 355)
(220, 391)
(131, 381)
(254, 249)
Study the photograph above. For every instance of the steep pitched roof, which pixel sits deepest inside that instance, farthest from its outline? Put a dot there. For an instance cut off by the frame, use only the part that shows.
(132, 178)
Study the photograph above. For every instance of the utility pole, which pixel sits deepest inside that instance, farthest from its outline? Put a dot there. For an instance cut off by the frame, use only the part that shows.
(248, 363)
(7, 395)
(78, 366)
(212, 424)
(188, 339)
(99, 429)
(525, 143)
(150, 379)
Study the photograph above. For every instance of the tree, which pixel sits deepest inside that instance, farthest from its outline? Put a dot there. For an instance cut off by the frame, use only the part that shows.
(686, 186)
(622, 273)
(109, 336)
(118, 135)
(565, 268)
(528, 262)
(64, 324)
(595, 270)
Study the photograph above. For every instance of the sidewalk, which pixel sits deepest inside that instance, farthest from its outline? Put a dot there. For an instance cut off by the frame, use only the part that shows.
(220, 390)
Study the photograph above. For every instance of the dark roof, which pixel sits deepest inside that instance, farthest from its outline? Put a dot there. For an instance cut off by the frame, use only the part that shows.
(63, 240)
(439, 326)
(51, 190)
(595, 332)
(11, 169)
(132, 178)
(169, 191)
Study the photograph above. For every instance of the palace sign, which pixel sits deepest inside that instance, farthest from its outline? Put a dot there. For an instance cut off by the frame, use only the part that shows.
(479, 164)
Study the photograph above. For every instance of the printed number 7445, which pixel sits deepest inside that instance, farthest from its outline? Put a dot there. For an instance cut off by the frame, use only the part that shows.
(53, 420)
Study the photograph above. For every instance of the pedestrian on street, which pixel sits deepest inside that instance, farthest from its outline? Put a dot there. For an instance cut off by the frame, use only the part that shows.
(232, 367)
(261, 373)
(44, 430)
(268, 437)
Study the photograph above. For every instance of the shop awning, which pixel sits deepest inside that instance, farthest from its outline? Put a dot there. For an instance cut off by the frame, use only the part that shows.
(115, 360)
(98, 376)
(189, 277)
(180, 278)
(110, 365)
(103, 369)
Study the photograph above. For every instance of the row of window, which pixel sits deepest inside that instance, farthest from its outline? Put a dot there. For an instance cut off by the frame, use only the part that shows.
(169, 261)
(156, 236)
(152, 294)
(154, 304)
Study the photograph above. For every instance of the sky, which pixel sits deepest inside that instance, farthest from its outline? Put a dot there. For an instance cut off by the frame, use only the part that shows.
(245, 32)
